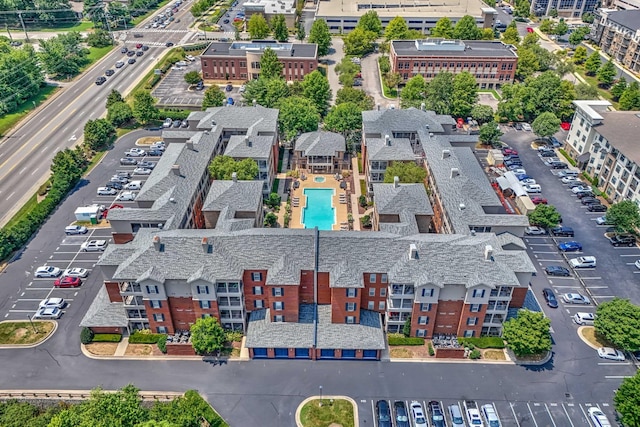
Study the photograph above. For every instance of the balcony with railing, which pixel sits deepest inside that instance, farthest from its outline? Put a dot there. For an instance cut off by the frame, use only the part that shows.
(397, 317)
(133, 301)
(497, 306)
(137, 314)
(496, 319)
(130, 287)
(231, 302)
(398, 289)
(403, 304)
(232, 288)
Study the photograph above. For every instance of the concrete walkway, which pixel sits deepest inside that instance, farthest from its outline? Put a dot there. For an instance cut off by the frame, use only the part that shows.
(122, 347)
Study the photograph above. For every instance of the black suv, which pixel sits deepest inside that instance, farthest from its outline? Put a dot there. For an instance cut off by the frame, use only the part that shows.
(623, 240)
(562, 231)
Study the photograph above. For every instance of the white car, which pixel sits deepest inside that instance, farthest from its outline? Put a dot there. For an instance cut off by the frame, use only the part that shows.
(583, 262)
(107, 191)
(419, 420)
(133, 185)
(135, 152)
(76, 272)
(190, 58)
(582, 318)
(48, 313)
(526, 126)
(598, 418)
(602, 220)
(94, 245)
(568, 179)
(75, 229)
(519, 171)
(47, 271)
(167, 123)
(575, 299)
(534, 231)
(533, 188)
(610, 354)
(142, 171)
(580, 189)
(528, 181)
(637, 264)
(52, 303)
(126, 196)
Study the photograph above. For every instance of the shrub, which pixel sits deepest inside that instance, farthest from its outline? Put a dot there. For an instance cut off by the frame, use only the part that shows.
(432, 352)
(362, 200)
(107, 338)
(482, 342)
(162, 343)
(234, 336)
(475, 354)
(406, 328)
(399, 339)
(86, 336)
(174, 114)
(145, 337)
(566, 156)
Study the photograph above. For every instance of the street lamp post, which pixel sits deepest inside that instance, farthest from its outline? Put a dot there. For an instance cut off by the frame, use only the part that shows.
(32, 325)
(320, 395)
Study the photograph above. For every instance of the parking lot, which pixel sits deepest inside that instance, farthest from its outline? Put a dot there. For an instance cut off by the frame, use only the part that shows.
(174, 91)
(511, 413)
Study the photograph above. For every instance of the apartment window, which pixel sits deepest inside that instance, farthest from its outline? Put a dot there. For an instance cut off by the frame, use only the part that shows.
(158, 317)
(383, 278)
(202, 289)
(371, 305)
(475, 308)
(372, 292)
(472, 321)
(381, 305)
(425, 307)
(277, 292)
(278, 318)
(256, 277)
(351, 293)
(372, 278)
(257, 290)
(421, 332)
(423, 320)
(161, 329)
(155, 303)
(350, 306)
(469, 334)
(350, 320)
(205, 304)
(278, 305)
(205, 315)
(383, 292)
(258, 303)
(478, 293)
(427, 292)
(152, 289)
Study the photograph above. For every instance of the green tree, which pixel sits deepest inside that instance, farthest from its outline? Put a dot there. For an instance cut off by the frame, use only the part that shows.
(97, 133)
(358, 42)
(625, 216)
(553, 13)
(356, 96)
(397, 29)
(113, 98)
(273, 201)
(522, 8)
(439, 92)
(465, 94)
(489, 34)
(280, 30)
(370, 21)
(316, 88)
(564, 67)
(586, 91)
(270, 65)
(528, 333)
(213, 97)
(592, 64)
(320, 35)
(207, 336)
(392, 79)
(99, 38)
(267, 91)
(406, 328)
(443, 28)
(627, 400)
(258, 27)
(544, 216)
(223, 167)
(413, 93)
(606, 74)
(154, 423)
(144, 108)
(344, 117)
(270, 220)
(384, 64)
(482, 113)
(561, 29)
(618, 89)
(546, 26)
(63, 55)
(577, 35)
(192, 78)
(545, 125)
(490, 134)
(119, 114)
(580, 55)
(466, 29)
(618, 321)
(528, 63)
(189, 410)
(407, 172)
(300, 33)
(511, 36)
(630, 98)
(297, 115)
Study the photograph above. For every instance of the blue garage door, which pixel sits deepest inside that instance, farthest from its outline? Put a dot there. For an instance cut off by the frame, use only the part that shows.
(370, 354)
(302, 353)
(328, 353)
(282, 353)
(259, 353)
(348, 354)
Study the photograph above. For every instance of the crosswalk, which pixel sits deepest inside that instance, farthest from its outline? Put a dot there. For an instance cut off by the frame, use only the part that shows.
(160, 30)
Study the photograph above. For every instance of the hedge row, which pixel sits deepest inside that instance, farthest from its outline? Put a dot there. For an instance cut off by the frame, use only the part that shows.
(483, 342)
(399, 339)
(106, 338)
(174, 114)
(145, 338)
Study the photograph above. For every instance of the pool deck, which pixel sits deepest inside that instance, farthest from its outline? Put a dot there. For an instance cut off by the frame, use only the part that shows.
(329, 182)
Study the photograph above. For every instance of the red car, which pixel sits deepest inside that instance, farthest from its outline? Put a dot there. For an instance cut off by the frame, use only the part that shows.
(529, 30)
(509, 152)
(139, 46)
(539, 200)
(67, 282)
(565, 125)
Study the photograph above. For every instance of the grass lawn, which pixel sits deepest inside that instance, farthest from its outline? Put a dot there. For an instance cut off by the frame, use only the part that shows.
(96, 53)
(9, 120)
(589, 334)
(593, 81)
(76, 26)
(363, 187)
(23, 333)
(493, 355)
(495, 94)
(401, 353)
(314, 415)
(31, 204)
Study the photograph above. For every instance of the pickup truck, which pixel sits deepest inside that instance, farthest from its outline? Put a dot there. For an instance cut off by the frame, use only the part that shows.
(94, 245)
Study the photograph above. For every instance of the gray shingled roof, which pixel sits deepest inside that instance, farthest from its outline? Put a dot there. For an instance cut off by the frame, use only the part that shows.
(621, 129)
(387, 121)
(626, 18)
(104, 313)
(368, 335)
(250, 147)
(320, 143)
(250, 120)
(245, 196)
(390, 199)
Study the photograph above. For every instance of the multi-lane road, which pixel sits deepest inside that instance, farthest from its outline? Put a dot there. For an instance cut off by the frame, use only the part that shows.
(26, 152)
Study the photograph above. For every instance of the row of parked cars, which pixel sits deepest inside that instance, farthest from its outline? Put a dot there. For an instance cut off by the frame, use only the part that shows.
(436, 416)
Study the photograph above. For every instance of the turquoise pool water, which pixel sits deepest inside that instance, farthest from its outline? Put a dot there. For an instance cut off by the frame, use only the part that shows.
(319, 179)
(319, 211)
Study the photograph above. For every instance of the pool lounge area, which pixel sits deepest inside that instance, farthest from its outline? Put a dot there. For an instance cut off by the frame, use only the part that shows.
(319, 204)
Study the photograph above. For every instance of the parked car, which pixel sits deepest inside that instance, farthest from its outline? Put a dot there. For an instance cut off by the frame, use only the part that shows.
(75, 229)
(574, 298)
(419, 420)
(558, 165)
(568, 179)
(590, 201)
(76, 272)
(455, 414)
(584, 194)
(94, 245)
(539, 200)
(147, 165)
(580, 188)
(176, 123)
(597, 208)
(526, 127)
(128, 161)
(550, 297)
(473, 414)
(383, 414)
(583, 262)
(126, 196)
(568, 172)
(557, 270)
(623, 240)
(48, 313)
(602, 220)
(154, 152)
(586, 319)
(562, 231)
(119, 179)
(401, 416)
(571, 246)
(228, 87)
(135, 152)
(142, 171)
(528, 181)
(116, 185)
(534, 231)
(611, 354)
(598, 417)
(67, 282)
(230, 101)
(52, 303)
(518, 126)
(508, 151)
(576, 184)
(436, 415)
(106, 191)
(491, 415)
(167, 123)
(533, 188)
(133, 185)
(47, 271)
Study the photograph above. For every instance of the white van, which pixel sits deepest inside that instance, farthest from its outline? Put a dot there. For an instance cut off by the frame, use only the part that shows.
(583, 262)
(584, 318)
(133, 185)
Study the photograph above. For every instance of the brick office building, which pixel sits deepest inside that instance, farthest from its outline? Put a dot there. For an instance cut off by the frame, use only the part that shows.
(239, 61)
(492, 63)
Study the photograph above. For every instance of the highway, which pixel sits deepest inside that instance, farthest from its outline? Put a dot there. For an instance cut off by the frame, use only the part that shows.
(27, 150)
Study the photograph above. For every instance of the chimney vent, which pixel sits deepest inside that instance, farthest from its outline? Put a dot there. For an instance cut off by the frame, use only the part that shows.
(157, 244)
(473, 232)
(247, 142)
(234, 176)
(413, 251)
(455, 172)
(172, 200)
(387, 140)
(461, 206)
(396, 181)
(488, 253)
(206, 247)
(190, 145)
(445, 154)
(176, 169)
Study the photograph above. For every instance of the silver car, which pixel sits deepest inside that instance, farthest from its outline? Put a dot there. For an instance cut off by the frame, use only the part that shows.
(48, 313)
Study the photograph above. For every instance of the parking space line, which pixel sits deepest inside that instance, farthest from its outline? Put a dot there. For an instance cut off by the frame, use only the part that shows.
(598, 287)
(533, 417)
(584, 413)
(591, 278)
(36, 289)
(634, 255)
(614, 363)
(550, 416)
(567, 414)
(616, 377)
(543, 252)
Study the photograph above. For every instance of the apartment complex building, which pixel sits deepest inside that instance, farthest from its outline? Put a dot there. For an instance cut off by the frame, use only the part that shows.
(239, 61)
(617, 33)
(321, 152)
(567, 9)
(271, 8)
(492, 63)
(304, 293)
(604, 143)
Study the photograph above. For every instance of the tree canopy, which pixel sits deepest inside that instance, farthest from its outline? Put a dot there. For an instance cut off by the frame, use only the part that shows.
(258, 27)
(606, 74)
(297, 115)
(625, 216)
(464, 95)
(357, 96)
(407, 172)
(580, 55)
(490, 134)
(544, 216)
(370, 21)
(223, 167)
(630, 98)
(267, 91)
(63, 55)
(320, 35)
(213, 97)
(192, 77)
(467, 29)
(119, 113)
(344, 117)
(21, 76)
(280, 30)
(207, 336)
(627, 400)
(315, 87)
(144, 107)
(443, 28)
(482, 113)
(545, 125)
(593, 63)
(618, 321)
(359, 42)
(528, 333)
(618, 89)
(114, 97)
(396, 29)
(413, 92)
(270, 65)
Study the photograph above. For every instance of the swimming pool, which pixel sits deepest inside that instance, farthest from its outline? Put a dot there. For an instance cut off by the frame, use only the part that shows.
(319, 211)
(319, 179)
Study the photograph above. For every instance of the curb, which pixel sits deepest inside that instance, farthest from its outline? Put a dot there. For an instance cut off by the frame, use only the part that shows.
(582, 328)
(531, 363)
(455, 361)
(81, 394)
(356, 420)
(90, 355)
(13, 346)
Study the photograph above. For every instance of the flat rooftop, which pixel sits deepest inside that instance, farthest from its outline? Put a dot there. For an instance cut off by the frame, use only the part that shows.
(295, 50)
(405, 8)
(454, 48)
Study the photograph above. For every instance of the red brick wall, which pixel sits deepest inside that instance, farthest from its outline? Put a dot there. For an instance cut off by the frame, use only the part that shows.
(324, 291)
(365, 298)
(339, 302)
(517, 297)
(448, 314)
(120, 238)
(291, 300)
(465, 314)
(306, 287)
(415, 313)
(180, 350)
(228, 68)
(198, 217)
(182, 312)
(165, 309)
(107, 330)
(213, 311)
(114, 291)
